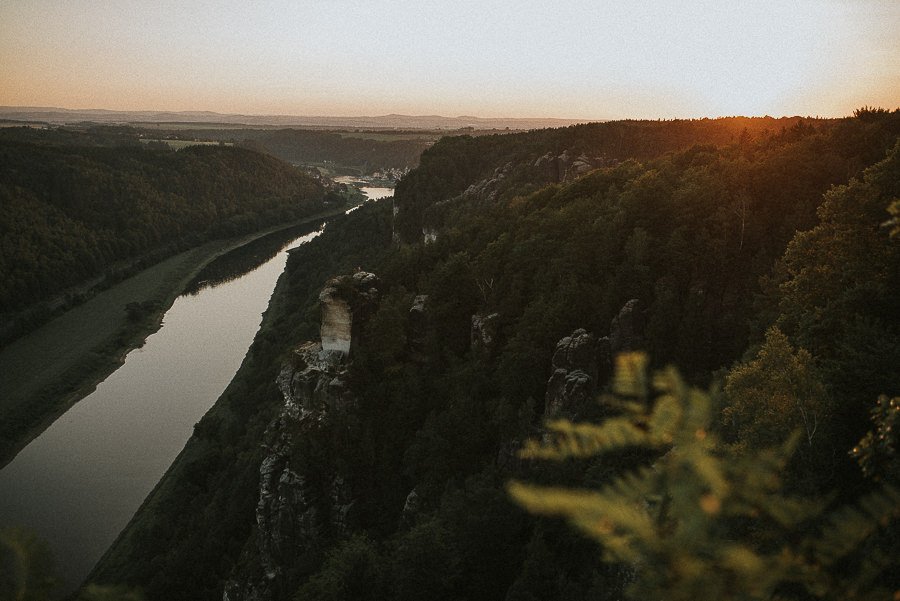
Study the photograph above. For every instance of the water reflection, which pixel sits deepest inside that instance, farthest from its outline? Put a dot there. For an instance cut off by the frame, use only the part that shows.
(81, 480)
(245, 259)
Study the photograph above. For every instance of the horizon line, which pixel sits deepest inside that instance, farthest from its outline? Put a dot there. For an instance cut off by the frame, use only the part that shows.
(240, 114)
(570, 120)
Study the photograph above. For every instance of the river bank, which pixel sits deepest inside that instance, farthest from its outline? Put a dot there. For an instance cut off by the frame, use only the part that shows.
(50, 369)
(196, 451)
(218, 467)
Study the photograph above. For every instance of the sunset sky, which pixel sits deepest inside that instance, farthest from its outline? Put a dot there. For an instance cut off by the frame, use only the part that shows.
(577, 59)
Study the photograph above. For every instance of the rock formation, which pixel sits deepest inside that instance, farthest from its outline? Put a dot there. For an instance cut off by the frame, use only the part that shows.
(489, 187)
(583, 365)
(410, 507)
(295, 510)
(573, 383)
(626, 332)
(484, 331)
(562, 168)
(417, 329)
(341, 299)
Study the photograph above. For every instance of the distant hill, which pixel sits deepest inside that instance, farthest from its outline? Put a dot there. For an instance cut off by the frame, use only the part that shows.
(62, 116)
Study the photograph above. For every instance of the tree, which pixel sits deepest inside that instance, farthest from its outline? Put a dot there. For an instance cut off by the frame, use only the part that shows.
(773, 395)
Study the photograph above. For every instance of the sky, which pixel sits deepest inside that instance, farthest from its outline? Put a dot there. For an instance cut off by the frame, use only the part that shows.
(578, 59)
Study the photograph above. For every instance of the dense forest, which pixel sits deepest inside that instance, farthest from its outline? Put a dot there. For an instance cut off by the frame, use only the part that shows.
(74, 203)
(365, 152)
(751, 255)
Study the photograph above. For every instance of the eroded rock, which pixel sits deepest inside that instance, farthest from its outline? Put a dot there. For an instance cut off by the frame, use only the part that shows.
(418, 328)
(296, 510)
(626, 332)
(343, 300)
(573, 383)
(410, 507)
(484, 332)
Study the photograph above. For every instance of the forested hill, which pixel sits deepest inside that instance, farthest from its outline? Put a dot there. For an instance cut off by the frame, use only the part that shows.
(748, 253)
(518, 164)
(73, 203)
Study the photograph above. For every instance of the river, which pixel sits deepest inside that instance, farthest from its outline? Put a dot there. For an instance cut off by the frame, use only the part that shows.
(79, 483)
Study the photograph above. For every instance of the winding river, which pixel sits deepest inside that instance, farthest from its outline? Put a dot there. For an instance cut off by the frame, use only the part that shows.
(79, 483)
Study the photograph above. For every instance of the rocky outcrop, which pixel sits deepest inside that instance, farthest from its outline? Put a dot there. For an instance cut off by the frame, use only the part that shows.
(582, 365)
(296, 510)
(626, 332)
(418, 329)
(483, 335)
(565, 167)
(573, 383)
(313, 382)
(341, 301)
(580, 166)
(489, 187)
(484, 190)
(336, 323)
(410, 507)
(546, 167)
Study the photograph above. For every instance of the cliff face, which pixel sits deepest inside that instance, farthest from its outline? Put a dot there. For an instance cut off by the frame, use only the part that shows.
(489, 187)
(342, 300)
(299, 507)
(582, 364)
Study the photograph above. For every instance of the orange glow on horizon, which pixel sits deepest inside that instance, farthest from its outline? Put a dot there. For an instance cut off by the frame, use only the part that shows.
(649, 59)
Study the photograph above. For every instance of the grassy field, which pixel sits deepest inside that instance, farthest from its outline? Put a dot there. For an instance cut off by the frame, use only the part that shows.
(51, 368)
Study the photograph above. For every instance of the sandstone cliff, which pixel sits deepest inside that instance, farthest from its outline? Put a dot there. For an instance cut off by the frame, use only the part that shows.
(299, 508)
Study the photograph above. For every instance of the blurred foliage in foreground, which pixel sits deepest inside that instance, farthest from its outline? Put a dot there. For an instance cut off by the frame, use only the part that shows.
(703, 520)
(28, 573)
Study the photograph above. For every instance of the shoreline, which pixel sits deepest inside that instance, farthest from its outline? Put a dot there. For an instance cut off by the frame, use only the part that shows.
(192, 446)
(119, 342)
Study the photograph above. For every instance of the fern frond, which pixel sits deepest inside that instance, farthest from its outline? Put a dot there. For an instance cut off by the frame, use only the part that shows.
(606, 518)
(633, 408)
(587, 440)
(630, 378)
(675, 522)
(636, 484)
(850, 526)
(710, 471)
(785, 511)
(665, 418)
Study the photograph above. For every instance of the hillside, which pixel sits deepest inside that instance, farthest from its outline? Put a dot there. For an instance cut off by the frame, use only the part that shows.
(73, 204)
(341, 150)
(494, 295)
